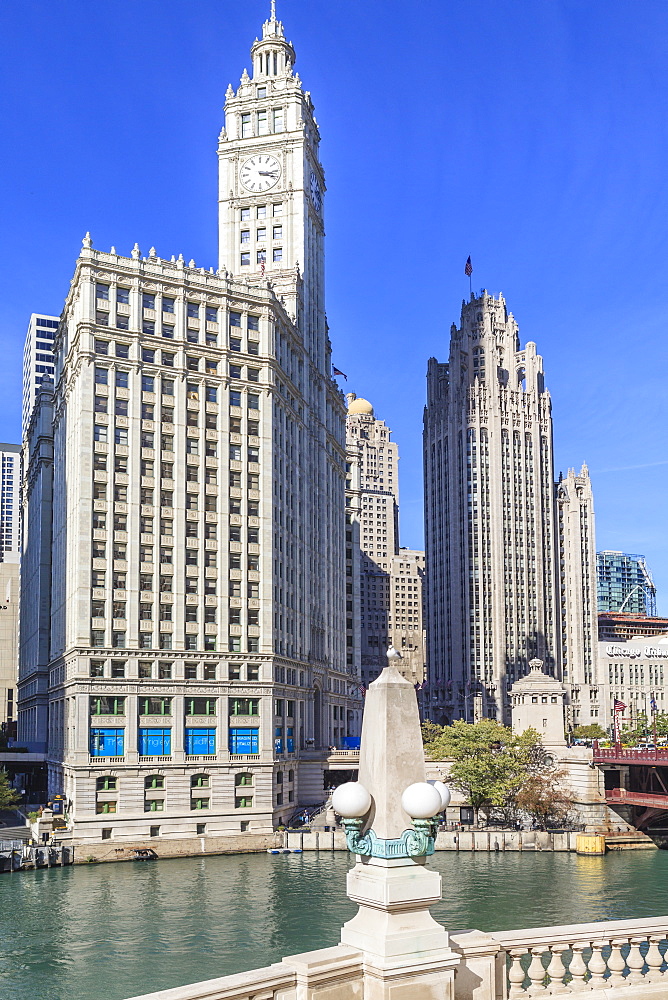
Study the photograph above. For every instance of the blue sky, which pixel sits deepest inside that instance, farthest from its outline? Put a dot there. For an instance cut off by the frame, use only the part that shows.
(532, 135)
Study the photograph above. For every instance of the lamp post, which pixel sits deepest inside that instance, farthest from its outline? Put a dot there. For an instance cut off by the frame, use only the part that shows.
(391, 817)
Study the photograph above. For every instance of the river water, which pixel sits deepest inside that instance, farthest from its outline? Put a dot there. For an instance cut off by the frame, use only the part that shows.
(106, 932)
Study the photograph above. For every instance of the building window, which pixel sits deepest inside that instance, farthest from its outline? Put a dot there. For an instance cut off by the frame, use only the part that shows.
(199, 803)
(107, 705)
(154, 781)
(244, 741)
(245, 235)
(200, 741)
(155, 706)
(199, 781)
(123, 296)
(154, 805)
(167, 305)
(243, 802)
(200, 706)
(246, 126)
(107, 742)
(155, 742)
(102, 808)
(107, 783)
(245, 214)
(278, 254)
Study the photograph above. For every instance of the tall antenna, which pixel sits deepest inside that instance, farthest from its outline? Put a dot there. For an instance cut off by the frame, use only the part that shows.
(273, 10)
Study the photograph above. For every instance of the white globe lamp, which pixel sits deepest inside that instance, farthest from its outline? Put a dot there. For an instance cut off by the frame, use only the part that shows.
(351, 800)
(421, 800)
(443, 791)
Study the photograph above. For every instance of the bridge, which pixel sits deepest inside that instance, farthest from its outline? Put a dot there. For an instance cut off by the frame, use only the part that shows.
(638, 781)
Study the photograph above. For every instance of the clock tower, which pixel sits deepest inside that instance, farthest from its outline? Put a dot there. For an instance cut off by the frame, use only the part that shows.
(271, 186)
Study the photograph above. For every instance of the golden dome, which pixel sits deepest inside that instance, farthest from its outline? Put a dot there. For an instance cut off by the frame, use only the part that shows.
(361, 406)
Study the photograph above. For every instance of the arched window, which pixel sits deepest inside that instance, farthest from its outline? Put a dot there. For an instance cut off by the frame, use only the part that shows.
(243, 779)
(199, 781)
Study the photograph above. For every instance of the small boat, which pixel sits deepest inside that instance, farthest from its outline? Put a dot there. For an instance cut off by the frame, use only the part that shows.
(144, 854)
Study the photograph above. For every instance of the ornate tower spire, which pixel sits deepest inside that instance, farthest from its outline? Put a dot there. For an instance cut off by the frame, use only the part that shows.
(272, 55)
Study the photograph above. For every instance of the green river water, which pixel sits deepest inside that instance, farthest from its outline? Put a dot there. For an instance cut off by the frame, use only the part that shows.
(107, 932)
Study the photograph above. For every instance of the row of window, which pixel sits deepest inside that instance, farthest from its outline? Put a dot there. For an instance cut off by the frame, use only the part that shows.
(109, 807)
(166, 358)
(261, 234)
(155, 705)
(110, 742)
(261, 256)
(263, 122)
(261, 211)
(193, 309)
(165, 670)
(194, 390)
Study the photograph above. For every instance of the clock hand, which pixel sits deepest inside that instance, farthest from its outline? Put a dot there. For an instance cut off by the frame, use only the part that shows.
(267, 173)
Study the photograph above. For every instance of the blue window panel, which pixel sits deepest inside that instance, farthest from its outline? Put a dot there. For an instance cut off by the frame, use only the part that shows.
(244, 741)
(201, 741)
(107, 742)
(155, 741)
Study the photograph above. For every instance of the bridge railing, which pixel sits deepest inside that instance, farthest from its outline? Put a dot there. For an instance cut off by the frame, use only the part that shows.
(593, 957)
(600, 959)
(630, 754)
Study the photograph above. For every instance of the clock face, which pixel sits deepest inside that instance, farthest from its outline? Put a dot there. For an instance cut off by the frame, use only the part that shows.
(316, 196)
(260, 172)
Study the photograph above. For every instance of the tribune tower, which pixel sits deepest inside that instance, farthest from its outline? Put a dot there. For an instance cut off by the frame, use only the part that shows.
(490, 516)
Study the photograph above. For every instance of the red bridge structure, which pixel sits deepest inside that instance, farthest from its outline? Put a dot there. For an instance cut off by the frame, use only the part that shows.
(636, 785)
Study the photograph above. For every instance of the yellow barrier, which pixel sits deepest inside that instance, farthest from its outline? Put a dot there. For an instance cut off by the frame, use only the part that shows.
(589, 843)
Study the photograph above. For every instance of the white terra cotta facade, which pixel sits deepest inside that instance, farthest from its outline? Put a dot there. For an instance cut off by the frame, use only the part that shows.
(196, 665)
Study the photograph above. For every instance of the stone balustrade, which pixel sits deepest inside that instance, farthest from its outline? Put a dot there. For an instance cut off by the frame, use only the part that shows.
(595, 958)
(607, 960)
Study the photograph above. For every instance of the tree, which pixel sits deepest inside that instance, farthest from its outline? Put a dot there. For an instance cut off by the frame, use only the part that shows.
(490, 763)
(430, 731)
(546, 798)
(592, 732)
(9, 797)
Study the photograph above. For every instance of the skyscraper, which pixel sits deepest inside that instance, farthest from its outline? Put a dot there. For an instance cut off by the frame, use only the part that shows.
(38, 361)
(386, 583)
(492, 537)
(577, 590)
(197, 636)
(10, 462)
(625, 584)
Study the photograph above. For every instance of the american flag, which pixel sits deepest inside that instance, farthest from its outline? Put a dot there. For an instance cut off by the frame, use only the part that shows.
(262, 268)
(468, 267)
(652, 704)
(618, 706)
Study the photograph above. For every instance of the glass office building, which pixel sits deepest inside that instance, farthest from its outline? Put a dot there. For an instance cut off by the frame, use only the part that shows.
(625, 584)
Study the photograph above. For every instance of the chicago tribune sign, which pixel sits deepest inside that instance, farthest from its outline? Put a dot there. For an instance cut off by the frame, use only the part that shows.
(638, 653)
